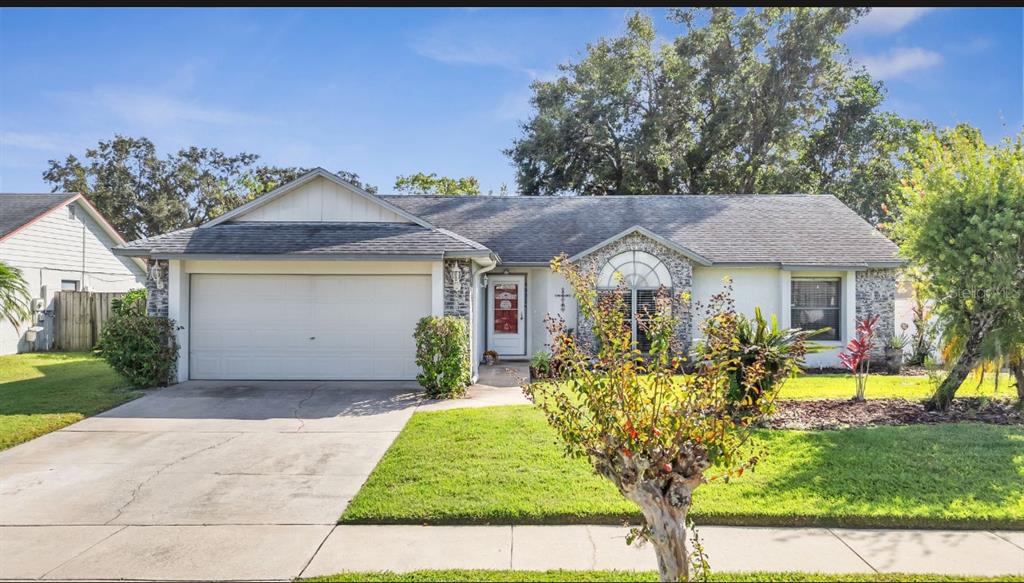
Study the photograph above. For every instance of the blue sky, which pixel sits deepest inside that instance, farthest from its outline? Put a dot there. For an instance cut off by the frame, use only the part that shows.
(395, 91)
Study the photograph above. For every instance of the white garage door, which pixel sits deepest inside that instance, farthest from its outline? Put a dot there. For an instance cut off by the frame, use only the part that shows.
(355, 327)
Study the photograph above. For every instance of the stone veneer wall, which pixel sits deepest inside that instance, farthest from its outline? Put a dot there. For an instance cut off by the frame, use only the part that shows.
(876, 295)
(679, 268)
(157, 287)
(458, 298)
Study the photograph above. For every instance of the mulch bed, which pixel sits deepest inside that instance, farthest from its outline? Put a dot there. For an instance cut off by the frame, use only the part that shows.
(840, 413)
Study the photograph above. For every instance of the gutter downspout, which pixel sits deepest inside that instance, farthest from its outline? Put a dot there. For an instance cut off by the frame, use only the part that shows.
(493, 263)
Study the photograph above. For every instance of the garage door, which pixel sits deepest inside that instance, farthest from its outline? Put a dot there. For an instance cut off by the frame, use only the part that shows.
(355, 327)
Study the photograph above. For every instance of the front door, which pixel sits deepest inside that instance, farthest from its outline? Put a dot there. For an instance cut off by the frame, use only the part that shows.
(506, 314)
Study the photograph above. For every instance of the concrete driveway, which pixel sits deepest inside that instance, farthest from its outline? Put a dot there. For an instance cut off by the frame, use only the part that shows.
(203, 480)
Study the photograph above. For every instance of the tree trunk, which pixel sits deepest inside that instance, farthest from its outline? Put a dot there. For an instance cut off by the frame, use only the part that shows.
(667, 525)
(964, 363)
(1017, 368)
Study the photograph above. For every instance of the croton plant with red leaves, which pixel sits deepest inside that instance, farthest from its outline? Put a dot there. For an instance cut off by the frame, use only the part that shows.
(857, 355)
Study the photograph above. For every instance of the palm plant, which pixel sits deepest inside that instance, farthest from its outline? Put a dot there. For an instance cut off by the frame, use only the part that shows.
(14, 295)
(761, 341)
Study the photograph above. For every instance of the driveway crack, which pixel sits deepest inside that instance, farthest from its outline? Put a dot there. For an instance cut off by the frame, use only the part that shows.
(298, 406)
(138, 488)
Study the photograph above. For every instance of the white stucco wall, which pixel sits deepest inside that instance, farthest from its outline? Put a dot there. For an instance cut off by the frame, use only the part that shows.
(769, 289)
(61, 247)
(542, 286)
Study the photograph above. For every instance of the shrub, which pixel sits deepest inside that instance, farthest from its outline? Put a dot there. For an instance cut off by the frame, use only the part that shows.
(442, 353)
(140, 347)
(540, 364)
(761, 342)
(129, 300)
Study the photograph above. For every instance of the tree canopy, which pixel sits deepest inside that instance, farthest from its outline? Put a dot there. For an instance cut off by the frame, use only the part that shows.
(143, 194)
(422, 183)
(753, 101)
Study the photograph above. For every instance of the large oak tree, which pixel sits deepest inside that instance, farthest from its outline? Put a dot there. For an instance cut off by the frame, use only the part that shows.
(752, 101)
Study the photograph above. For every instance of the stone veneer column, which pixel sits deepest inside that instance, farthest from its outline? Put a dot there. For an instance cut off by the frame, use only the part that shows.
(157, 283)
(876, 296)
(679, 268)
(458, 295)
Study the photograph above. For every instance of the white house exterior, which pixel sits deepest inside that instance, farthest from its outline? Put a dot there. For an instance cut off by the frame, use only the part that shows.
(322, 280)
(59, 242)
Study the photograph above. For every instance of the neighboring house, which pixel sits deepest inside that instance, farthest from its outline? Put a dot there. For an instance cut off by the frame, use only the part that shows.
(59, 242)
(319, 279)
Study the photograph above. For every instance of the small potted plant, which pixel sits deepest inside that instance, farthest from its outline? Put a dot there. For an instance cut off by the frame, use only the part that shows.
(490, 357)
(894, 353)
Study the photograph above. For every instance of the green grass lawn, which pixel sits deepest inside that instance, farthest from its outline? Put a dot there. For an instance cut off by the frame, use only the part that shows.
(42, 392)
(514, 576)
(503, 465)
(841, 386)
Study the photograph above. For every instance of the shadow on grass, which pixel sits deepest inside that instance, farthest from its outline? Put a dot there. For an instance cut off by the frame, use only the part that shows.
(68, 384)
(926, 476)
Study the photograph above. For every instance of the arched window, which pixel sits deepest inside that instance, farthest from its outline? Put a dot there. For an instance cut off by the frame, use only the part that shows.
(638, 275)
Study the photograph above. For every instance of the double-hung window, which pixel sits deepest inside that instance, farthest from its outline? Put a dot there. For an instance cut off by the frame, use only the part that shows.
(816, 304)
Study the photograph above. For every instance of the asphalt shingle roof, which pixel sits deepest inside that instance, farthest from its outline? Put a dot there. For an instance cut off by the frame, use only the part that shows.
(18, 209)
(304, 239)
(793, 229)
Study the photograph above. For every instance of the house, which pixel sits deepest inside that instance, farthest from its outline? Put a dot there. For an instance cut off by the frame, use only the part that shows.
(59, 242)
(319, 279)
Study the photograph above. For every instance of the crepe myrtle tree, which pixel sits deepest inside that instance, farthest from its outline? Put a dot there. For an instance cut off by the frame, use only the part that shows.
(654, 433)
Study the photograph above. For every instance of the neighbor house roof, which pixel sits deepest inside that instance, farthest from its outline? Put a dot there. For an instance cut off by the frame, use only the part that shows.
(310, 240)
(19, 210)
(792, 230)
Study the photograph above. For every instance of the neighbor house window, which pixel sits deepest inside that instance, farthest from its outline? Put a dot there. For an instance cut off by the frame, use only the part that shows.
(69, 285)
(815, 304)
(638, 276)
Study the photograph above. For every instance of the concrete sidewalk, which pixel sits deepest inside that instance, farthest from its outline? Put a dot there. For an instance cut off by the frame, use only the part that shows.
(827, 550)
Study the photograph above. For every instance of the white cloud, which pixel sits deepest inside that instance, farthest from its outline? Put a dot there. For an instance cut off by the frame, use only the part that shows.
(899, 61)
(153, 109)
(37, 141)
(457, 49)
(889, 20)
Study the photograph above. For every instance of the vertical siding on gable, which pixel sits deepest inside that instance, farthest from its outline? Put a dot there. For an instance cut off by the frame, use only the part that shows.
(322, 200)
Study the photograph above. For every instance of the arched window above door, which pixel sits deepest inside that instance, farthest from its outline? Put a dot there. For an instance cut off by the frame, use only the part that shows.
(637, 269)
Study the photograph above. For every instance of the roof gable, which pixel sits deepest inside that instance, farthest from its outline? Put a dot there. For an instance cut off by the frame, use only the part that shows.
(682, 250)
(18, 211)
(319, 196)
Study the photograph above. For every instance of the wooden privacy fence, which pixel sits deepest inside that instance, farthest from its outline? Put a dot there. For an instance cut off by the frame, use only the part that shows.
(79, 317)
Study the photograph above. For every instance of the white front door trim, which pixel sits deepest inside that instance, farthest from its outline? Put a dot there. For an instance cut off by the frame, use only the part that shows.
(506, 314)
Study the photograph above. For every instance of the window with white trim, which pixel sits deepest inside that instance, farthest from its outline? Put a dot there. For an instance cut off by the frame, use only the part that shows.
(69, 285)
(816, 304)
(637, 275)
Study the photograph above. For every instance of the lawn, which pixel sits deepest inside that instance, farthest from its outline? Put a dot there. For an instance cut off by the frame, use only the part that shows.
(503, 465)
(42, 392)
(629, 576)
(840, 386)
